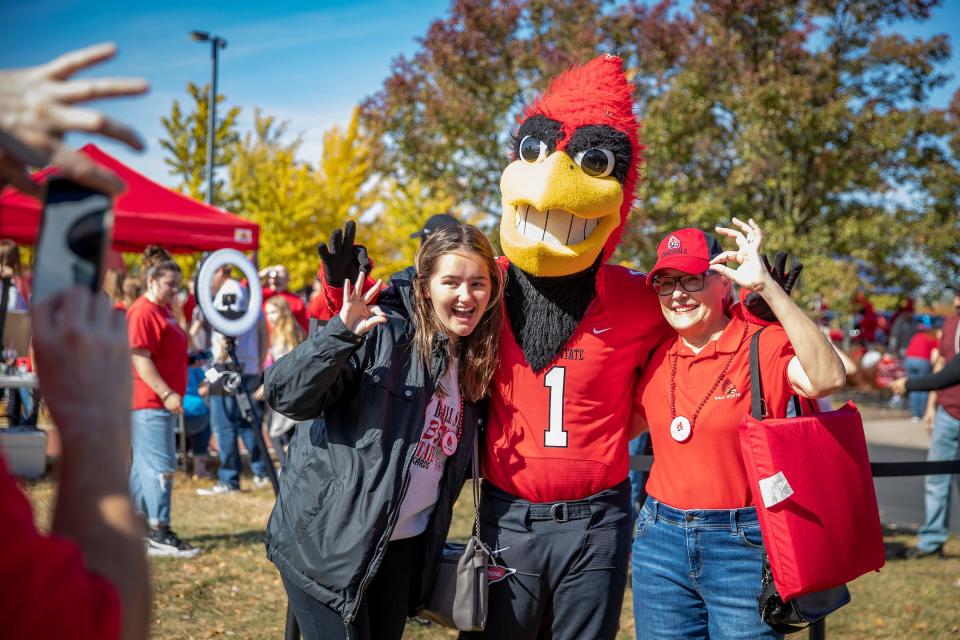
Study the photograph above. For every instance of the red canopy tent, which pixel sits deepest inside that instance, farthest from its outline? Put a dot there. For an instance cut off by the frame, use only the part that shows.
(146, 213)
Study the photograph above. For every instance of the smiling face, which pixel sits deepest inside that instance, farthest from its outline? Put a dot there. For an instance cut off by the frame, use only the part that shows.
(164, 288)
(697, 314)
(459, 291)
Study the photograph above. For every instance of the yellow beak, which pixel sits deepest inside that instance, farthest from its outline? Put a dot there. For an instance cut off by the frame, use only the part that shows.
(556, 218)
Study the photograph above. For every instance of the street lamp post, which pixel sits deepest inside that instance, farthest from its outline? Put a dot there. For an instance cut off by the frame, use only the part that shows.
(216, 43)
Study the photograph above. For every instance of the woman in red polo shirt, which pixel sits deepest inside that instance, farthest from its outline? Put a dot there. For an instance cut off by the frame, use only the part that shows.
(697, 549)
(159, 349)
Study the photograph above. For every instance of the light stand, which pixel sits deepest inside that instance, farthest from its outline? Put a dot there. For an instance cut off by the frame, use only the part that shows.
(230, 326)
(249, 414)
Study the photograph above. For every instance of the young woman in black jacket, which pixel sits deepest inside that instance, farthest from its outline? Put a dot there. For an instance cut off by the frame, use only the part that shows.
(366, 494)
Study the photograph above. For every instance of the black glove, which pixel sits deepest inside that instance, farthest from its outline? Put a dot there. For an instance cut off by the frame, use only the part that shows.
(755, 303)
(341, 259)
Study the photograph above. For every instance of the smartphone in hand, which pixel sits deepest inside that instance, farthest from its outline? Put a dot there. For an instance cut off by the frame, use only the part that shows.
(75, 233)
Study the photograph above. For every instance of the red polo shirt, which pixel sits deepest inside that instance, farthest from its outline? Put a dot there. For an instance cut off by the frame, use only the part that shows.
(706, 471)
(153, 327)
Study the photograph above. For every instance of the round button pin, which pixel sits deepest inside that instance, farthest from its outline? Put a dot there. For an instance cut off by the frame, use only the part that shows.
(680, 429)
(449, 443)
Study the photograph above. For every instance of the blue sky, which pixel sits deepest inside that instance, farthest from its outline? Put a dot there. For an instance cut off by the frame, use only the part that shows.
(306, 62)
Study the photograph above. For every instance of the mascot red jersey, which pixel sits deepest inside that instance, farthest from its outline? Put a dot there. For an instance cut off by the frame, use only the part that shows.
(578, 329)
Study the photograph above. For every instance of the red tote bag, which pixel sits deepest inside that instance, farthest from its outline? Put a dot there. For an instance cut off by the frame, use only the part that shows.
(814, 495)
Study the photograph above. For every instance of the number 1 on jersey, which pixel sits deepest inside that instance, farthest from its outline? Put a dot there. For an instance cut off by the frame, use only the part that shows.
(555, 436)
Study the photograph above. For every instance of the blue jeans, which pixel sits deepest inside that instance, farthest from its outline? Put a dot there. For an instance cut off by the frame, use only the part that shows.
(154, 460)
(943, 446)
(228, 425)
(918, 399)
(22, 406)
(697, 573)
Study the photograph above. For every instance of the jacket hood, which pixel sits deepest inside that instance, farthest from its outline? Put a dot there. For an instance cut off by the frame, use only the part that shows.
(399, 294)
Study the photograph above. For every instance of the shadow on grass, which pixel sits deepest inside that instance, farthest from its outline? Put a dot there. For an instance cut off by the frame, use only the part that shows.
(234, 539)
(895, 546)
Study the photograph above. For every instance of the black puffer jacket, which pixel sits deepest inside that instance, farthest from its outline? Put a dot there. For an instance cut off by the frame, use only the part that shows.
(345, 476)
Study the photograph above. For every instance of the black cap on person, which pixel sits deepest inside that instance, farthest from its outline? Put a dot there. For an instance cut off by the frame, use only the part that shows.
(433, 223)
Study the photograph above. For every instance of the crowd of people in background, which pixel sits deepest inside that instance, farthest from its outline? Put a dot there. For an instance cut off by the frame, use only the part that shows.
(172, 348)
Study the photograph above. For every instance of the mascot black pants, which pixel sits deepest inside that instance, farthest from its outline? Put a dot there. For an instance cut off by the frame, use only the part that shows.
(564, 565)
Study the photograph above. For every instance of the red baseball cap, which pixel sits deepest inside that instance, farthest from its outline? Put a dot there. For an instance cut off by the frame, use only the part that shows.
(688, 250)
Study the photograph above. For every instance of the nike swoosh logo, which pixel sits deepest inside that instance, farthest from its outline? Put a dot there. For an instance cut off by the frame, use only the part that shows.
(635, 273)
(597, 332)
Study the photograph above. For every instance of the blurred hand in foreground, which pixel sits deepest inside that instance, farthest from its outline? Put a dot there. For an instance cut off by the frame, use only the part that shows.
(38, 105)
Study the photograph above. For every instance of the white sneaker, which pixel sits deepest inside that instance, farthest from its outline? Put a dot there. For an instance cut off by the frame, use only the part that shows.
(259, 482)
(163, 542)
(218, 489)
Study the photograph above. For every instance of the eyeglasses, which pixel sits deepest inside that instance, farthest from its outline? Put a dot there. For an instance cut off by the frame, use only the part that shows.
(691, 283)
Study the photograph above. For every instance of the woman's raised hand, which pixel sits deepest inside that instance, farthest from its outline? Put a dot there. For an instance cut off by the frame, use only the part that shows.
(357, 313)
(751, 274)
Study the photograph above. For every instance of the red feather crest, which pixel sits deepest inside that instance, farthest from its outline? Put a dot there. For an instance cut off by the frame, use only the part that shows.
(596, 93)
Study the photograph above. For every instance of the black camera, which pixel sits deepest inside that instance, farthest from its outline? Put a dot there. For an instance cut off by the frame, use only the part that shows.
(224, 379)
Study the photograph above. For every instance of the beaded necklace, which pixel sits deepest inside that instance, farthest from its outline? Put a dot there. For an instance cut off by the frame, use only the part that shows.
(681, 428)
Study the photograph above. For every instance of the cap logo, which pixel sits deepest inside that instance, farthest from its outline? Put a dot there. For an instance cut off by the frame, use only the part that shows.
(673, 247)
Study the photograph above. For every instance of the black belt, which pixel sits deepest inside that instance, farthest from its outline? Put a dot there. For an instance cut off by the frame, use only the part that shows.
(497, 503)
(560, 511)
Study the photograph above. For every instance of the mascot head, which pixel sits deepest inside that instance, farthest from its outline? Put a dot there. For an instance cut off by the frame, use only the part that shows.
(569, 187)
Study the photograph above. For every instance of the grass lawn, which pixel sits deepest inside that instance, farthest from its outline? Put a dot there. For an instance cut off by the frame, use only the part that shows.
(231, 590)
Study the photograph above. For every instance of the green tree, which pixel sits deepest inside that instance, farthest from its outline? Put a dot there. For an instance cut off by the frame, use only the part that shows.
(402, 210)
(812, 119)
(296, 205)
(810, 116)
(186, 142)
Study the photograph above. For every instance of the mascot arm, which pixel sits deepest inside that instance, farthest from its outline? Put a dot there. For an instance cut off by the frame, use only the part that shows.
(341, 259)
(755, 308)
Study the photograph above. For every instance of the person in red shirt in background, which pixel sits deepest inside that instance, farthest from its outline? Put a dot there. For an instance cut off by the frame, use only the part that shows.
(868, 322)
(697, 550)
(159, 348)
(922, 351)
(276, 282)
(942, 420)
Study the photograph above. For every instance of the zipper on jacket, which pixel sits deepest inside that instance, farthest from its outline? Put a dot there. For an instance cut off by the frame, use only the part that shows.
(385, 538)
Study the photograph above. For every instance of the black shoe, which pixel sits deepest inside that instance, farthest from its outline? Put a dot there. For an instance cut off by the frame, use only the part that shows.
(916, 552)
(164, 542)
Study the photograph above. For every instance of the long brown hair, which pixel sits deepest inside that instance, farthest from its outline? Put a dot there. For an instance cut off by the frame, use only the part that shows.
(478, 355)
(286, 333)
